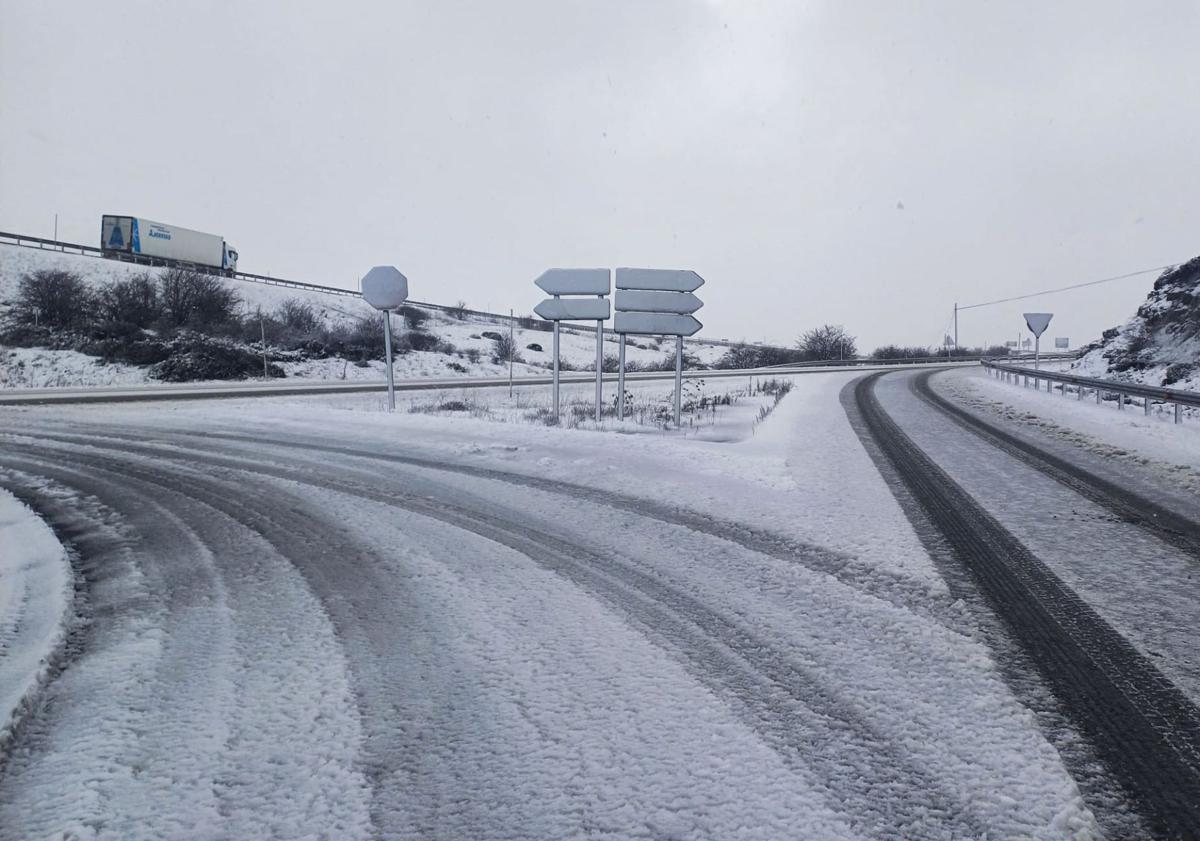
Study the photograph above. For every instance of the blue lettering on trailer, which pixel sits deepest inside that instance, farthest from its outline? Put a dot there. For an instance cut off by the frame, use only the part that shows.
(159, 233)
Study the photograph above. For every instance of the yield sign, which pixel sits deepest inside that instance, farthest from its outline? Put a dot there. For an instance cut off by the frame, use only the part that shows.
(1038, 322)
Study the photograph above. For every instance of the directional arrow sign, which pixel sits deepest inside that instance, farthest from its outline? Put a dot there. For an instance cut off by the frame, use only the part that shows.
(385, 288)
(1038, 322)
(644, 300)
(574, 282)
(665, 280)
(573, 309)
(656, 324)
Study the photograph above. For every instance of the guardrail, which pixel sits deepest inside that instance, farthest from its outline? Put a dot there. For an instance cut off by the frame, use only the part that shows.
(1123, 391)
(908, 360)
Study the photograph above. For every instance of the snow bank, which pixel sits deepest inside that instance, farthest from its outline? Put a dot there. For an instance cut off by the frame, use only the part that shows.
(35, 604)
(1173, 448)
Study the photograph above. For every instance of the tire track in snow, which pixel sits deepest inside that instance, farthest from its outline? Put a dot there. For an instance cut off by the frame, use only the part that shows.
(810, 726)
(897, 590)
(1132, 508)
(1144, 728)
(164, 703)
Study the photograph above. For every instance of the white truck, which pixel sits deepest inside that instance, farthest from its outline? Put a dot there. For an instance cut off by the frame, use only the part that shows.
(128, 237)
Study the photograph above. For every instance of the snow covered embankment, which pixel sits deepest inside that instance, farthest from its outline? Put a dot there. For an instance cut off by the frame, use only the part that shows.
(35, 603)
(1160, 345)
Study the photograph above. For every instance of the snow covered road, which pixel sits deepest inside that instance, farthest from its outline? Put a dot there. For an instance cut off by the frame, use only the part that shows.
(1096, 583)
(453, 629)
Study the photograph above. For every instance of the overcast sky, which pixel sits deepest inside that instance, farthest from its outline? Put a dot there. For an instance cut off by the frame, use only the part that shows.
(865, 164)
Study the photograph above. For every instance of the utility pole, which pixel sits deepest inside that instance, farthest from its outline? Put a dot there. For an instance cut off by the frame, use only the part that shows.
(512, 350)
(956, 326)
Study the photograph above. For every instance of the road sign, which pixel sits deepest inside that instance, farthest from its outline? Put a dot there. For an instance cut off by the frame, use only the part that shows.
(1038, 322)
(575, 282)
(656, 324)
(384, 288)
(644, 300)
(664, 280)
(1062, 343)
(573, 309)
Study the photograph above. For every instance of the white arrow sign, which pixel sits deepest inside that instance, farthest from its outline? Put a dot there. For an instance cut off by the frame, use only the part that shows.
(1038, 322)
(574, 282)
(664, 280)
(573, 309)
(644, 300)
(655, 324)
(385, 288)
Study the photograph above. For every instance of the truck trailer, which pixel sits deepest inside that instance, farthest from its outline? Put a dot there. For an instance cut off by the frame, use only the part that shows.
(128, 237)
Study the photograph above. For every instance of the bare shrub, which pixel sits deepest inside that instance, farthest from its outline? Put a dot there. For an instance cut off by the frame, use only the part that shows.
(53, 298)
(198, 301)
(131, 302)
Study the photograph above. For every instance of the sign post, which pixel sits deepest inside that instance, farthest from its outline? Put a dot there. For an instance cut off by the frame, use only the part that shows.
(384, 288)
(1037, 322)
(559, 282)
(656, 302)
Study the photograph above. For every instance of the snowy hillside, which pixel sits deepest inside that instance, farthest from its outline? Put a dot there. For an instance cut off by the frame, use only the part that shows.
(464, 349)
(1160, 345)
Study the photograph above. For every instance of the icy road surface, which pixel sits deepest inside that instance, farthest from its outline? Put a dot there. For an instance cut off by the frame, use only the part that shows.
(299, 622)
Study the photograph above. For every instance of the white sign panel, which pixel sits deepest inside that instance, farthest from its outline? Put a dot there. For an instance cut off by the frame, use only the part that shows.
(1062, 343)
(385, 288)
(575, 282)
(656, 324)
(664, 280)
(643, 300)
(573, 309)
(1038, 322)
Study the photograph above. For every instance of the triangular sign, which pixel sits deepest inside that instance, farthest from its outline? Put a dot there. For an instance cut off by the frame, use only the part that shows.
(1038, 322)
(115, 239)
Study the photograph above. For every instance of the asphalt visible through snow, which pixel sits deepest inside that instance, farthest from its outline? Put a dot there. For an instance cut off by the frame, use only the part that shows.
(972, 486)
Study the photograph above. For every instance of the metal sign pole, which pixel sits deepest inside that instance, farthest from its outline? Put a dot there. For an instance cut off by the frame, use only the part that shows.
(512, 350)
(556, 372)
(599, 366)
(1037, 352)
(621, 379)
(387, 349)
(678, 377)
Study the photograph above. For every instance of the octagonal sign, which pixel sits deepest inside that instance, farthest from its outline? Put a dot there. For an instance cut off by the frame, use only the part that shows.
(385, 288)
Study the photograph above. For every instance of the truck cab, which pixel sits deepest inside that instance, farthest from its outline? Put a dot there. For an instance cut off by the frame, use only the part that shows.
(229, 264)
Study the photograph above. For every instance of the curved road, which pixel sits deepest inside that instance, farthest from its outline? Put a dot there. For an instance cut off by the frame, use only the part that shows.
(282, 635)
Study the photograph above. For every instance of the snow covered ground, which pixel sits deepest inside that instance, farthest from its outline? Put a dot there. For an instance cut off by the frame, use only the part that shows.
(21, 367)
(35, 608)
(324, 620)
(1155, 441)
